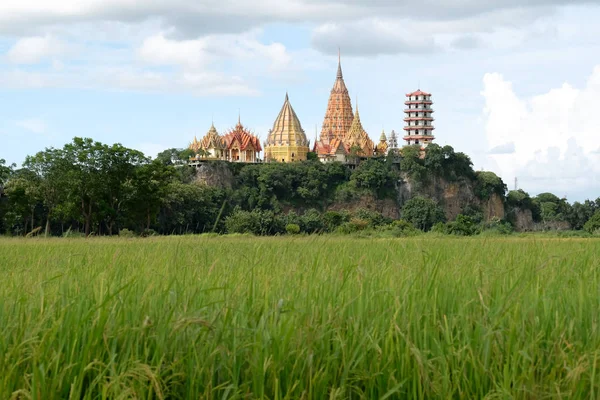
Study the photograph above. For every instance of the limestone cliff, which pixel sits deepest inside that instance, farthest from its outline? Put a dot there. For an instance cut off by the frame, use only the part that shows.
(215, 174)
(453, 197)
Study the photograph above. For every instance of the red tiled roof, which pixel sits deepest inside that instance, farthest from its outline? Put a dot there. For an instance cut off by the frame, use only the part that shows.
(243, 137)
(418, 93)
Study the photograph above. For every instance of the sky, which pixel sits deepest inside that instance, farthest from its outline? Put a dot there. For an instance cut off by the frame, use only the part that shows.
(516, 86)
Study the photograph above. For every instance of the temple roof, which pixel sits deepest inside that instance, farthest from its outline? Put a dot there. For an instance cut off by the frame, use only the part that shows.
(212, 139)
(287, 129)
(419, 92)
(357, 136)
(382, 138)
(244, 139)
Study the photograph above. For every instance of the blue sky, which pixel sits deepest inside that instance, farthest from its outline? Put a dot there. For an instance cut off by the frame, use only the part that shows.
(517, 87)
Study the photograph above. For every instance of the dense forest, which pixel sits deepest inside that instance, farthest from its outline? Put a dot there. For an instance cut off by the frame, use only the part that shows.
(90, 188)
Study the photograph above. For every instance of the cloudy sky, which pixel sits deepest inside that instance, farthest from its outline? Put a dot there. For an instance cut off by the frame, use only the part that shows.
(515, 86)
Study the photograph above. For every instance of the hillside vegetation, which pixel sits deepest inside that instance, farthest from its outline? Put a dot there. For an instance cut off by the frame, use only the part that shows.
(89, 188)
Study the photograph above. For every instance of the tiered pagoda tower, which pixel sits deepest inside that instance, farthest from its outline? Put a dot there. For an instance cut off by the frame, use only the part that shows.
(286, 141)
(339, 116)
(419, 119)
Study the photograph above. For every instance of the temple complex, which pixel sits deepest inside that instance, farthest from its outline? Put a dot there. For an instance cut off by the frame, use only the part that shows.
(238, 145)
(287, 141)
(342, 133)
(342, 137)
(419, 119)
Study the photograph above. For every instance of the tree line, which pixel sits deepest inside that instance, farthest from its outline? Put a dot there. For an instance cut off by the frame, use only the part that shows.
(90, 188)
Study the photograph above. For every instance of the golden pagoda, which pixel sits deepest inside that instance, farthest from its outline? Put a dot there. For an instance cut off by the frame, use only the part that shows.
(287, 141)
(382, 146)
(358, 138)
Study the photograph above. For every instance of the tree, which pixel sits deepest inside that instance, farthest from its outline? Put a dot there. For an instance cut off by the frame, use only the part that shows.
(422, 212)
(374, 175)
(5, 172)
(582, 212)
(593, 225)
(488, 183)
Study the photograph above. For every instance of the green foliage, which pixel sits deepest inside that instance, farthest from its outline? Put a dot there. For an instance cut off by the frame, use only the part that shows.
(334, 219)
(422, 212)
(552, 208)
(273, 185)
(462, 226)
(126, 233)
(292, 229)
(374, 175)
(582, 212)
(257, 222)
(488, 183)
(593, 225)
(498, 226)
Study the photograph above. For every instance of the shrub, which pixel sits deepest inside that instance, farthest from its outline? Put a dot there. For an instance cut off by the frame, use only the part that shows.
(292, 229)
(354, 225)
(462, 226)
(593, 224)
(422, 212)
(334, 219)
(126, 233)
(148, 233)
(498, 226)
(400, 228)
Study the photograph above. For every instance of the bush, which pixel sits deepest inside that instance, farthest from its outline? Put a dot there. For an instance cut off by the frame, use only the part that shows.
(148, 233)
(257, 222)
(593, 224)
(402, 228)
(354, 225)
(126, 233)
(498, 226)
(422, 212)
(292, 229)
(334, 219)
(462, 226)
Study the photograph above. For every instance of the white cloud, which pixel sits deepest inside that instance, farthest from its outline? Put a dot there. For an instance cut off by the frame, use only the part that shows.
(32, 125)
(555, 134)
(32, 50)
(160, 50)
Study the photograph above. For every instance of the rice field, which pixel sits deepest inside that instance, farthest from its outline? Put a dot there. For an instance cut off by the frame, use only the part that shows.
(299, 318)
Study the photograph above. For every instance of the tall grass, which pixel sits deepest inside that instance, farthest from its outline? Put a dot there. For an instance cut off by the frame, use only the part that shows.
(288, 318)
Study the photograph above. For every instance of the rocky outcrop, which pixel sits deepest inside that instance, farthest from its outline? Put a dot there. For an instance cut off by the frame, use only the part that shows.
(521, 219)
(216, 174)
(387, 207)
(453, 197)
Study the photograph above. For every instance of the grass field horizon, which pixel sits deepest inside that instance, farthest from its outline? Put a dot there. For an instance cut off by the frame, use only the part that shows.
(299, 317)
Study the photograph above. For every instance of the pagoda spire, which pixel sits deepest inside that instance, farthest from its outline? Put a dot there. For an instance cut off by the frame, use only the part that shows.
(339, 70)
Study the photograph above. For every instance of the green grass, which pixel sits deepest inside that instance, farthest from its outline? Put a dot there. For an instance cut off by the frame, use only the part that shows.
(305, 317)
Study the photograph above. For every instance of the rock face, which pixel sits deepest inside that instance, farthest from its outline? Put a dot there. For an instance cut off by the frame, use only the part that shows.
(522, 219)
(215, 174)
(453, 197)
(387, 207)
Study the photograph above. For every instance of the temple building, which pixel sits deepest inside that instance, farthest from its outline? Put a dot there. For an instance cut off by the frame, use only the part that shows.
(238, 145)
(342, 133)
(211, 147)
(382, 147)
(419, 120)
(287, 141)
(357, 140)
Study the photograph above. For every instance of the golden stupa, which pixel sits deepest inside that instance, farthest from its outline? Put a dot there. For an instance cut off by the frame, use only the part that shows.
(382, 146)
(287, 141)
(358, 138)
